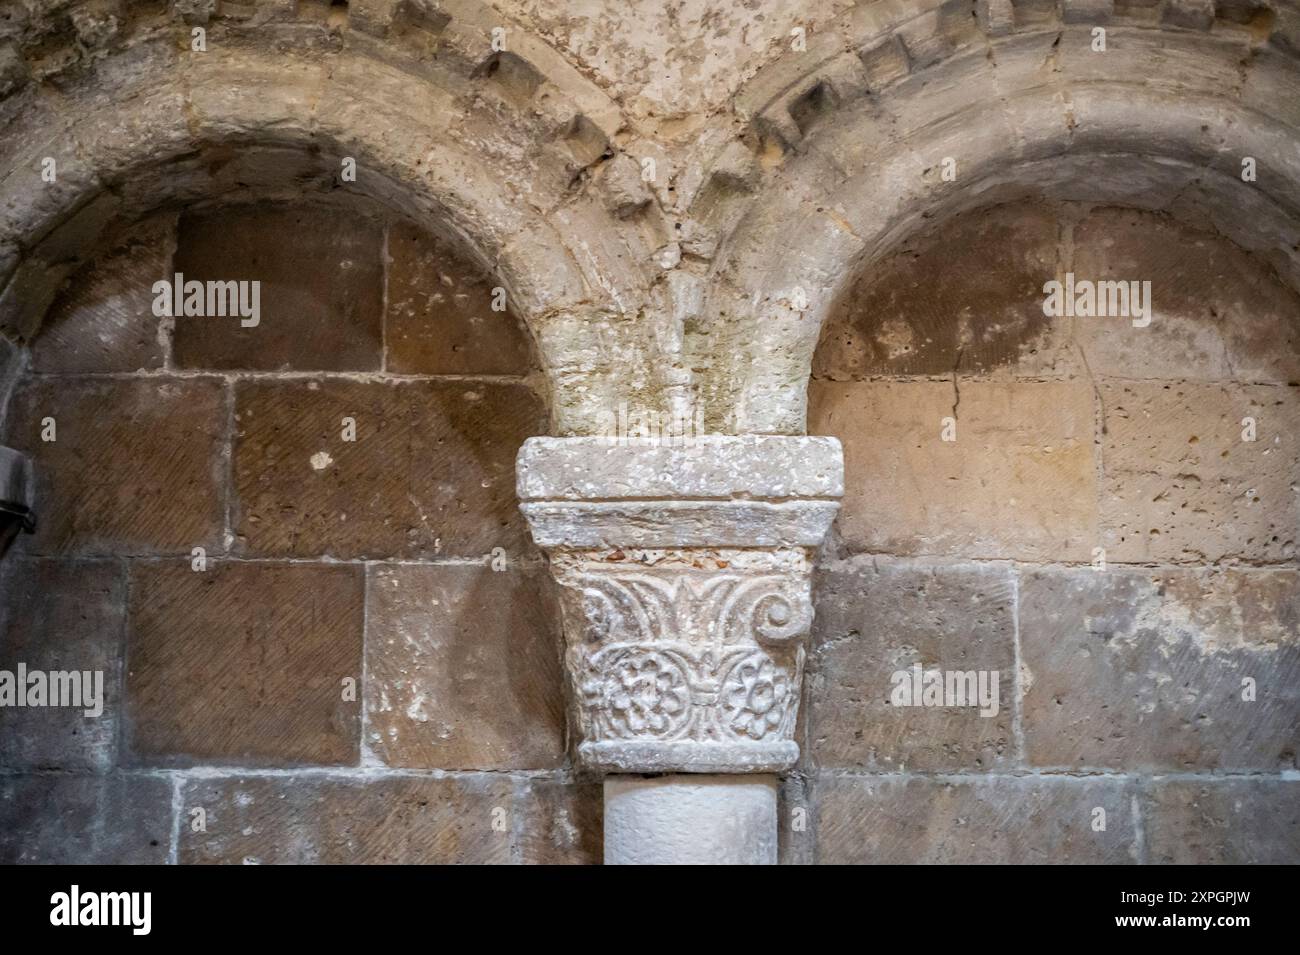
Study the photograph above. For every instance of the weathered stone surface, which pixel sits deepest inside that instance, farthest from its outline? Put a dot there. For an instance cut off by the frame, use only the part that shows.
(1019, 480)
(17, 496)
(431, 471)
(12, 362)
(133, 466)
(818, 226)
(996, 17)
(463, 668)
(795, 822)
(714, 491)
(1217, 312)
(1144, 670)
(372, 16)
(1181, 483)
(439, 318)
(966, 298)
(63, 616)
(13, 70)
(352, 819)
(1224, 821)
(321, 288)
(699, 41)
(884, 60)
(97, 22)
(51, 819)
(953, 821)
(1192, 14)
(625, 190)
(873, 621)
(45, 270)
(679, 523)
(196, 11)
(685, 660)
(1087, 11)
(104, 320)
(684, 657)
(563, 823)
(712, 466)
(244, 664)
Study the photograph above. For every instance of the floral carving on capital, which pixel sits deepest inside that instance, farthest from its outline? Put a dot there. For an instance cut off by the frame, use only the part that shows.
(686, 646)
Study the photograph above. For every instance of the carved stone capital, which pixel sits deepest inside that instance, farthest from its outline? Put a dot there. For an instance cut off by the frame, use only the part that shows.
(684, 576)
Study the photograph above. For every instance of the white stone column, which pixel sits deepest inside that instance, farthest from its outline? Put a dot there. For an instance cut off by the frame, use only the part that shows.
(684, 575)
(690, 820)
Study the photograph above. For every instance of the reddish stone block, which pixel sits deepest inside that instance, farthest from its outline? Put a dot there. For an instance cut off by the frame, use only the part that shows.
(351, 820)
(244, 664)
(134, 467)
(104, 321)
(321, 292)
(431, 472)
(463, 668)
(873, 621)
(440, 319)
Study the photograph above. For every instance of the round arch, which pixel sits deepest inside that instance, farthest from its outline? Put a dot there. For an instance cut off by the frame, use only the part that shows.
(485, 147)
(848, 147)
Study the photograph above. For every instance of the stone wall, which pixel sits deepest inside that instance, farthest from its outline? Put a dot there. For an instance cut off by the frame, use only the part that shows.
(362, 661)
(1097, 532)
(832, 217)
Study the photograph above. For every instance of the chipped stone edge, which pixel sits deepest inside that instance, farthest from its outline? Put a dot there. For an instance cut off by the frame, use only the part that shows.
(688, 756)
(611, 524)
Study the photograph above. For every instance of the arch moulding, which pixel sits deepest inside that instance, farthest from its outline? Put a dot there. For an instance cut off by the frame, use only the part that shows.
(842, 151)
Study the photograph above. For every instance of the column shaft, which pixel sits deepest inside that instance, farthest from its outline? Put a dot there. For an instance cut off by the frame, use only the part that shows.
(691, 820)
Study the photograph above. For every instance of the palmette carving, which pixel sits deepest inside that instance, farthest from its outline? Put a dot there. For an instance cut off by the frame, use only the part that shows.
(675, 646)
(649, 604)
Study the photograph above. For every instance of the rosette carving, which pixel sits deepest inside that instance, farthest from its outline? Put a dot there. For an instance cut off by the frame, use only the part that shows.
(639, 692)
(663, 649)
(757, 699)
